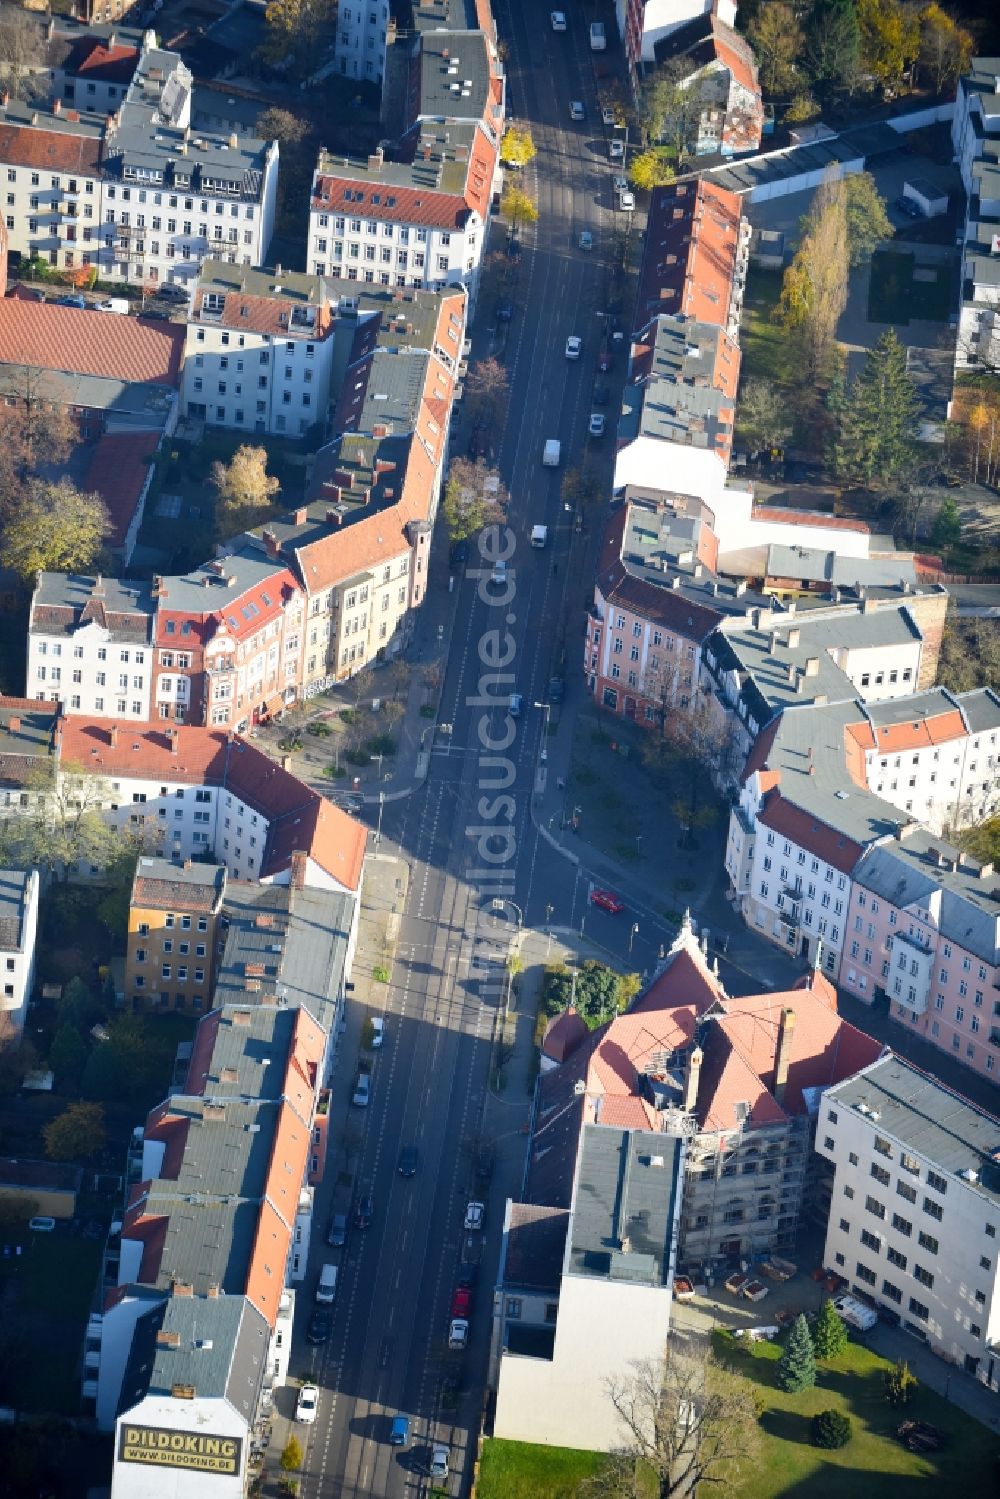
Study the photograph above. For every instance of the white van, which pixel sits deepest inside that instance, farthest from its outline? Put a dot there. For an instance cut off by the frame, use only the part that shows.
(121, 305)
(326, 1289)
(551, 452)
(539, 535)
(499, 573)
(598, 40)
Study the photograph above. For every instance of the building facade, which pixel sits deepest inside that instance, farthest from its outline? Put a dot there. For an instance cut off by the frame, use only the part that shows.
(90, 645)
(915, 1209)
(19, 891)
(362, 37)
(173, 935)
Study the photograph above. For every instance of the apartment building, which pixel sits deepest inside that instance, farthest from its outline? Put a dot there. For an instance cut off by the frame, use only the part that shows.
(173, 934)
(644, 24)
(915, 1208)
(923, 940)
(19, 891)
(715, 59)
(228, 642)
(92, 72)
(174, 197)
(975, 134)
(694, 258)
(90, 645)
(682, 383)
(51, 171)
(362, 38)
(259, 350)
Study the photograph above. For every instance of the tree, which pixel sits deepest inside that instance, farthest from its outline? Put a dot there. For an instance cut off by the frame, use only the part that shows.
(867, 221)
(900, 1383)
(36, 430)
(626, 989)
(81, 277)
(63, 825)
(833, 46)
(293, 31)
(829, 1335)
(778, 42)
(77, 1006)
(517, 147)
(649, 169)
(878, 423)
(763, 419)
(670, 104)
(245, 491)
(486, 386)
(689, 1424)
(947, 530)
(518, 206)
(474, 497)
(970, 654)
(22, 45)
(945, 48)
(797, 1366)
(297, 144)
(890, 39)
(291, 1455)
(830, 1429)
(67, 1056)
(76, 1133)
(814, 288)
(54, 528)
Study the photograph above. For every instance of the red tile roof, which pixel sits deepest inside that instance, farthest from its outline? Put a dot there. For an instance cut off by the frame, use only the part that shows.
(81, 342)
(118, 470)
(396, 205)
(690, 252)
(52, 150)
(648, 600)
(90, 58)
(254, 314)
(809, 518)
(801, 827)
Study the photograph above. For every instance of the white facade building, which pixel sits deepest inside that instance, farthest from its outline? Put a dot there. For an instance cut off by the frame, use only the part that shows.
(90, 645)
(362, 32)
(915, 1211)
(18, 927)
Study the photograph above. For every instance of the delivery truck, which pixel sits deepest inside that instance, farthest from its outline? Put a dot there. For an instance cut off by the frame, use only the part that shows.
(551, 452)
(539, 536)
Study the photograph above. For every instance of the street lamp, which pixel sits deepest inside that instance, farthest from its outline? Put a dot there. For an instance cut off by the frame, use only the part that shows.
(548, 929)
(632, 936)
(378, 826)
(547, 709)
(498, 904)
(638, 845)
(377, 759)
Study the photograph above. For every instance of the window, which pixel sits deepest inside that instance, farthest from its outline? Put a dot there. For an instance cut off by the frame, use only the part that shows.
(933, 1208)
(902, 1225)
(868, 1276)
(924, 1276)
(909, 1163)
(927, 1241)
(871, 1241)
(872, 1205)
(937, 1182)
(883, 1147)
(918, 1309)
(895, 1258)
(880, 1174)
(893, 1292)
(904, 1190)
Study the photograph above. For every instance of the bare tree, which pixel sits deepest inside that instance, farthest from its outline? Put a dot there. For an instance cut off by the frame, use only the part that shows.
(21, 46)
(691, 1423)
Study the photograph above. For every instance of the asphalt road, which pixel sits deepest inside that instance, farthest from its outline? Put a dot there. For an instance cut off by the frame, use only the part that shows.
(388, 1349)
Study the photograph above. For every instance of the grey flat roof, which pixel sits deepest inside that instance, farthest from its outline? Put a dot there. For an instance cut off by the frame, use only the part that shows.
(910, 870)
(205, 591)
(221, 1351)
(536, 1247)
(75, 590)
(309, 927)
(813, 565)
(911, 709)
(928, 1118)
(448, 58)
(256, 1051)
(129, 404)
(981, 708)
(13, 887)
(622, 1217)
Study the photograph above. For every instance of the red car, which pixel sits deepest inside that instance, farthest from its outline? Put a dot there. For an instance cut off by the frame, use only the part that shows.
(607, 901)
(461, 1302)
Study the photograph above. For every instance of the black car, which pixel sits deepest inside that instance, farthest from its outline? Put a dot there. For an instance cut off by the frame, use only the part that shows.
(556, 689)
(485, 1161)
(320, 1326)
(601, 394)
(468, 1274)
(408, 1158)
(173, 293)
(336, 1231)
(505, 311)
(157, 315)
(459, 555)
(364, 1211)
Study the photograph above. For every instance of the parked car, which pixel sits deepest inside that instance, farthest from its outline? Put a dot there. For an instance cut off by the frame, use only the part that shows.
(475, 1215)
(173, 293)
(619, 183)
(155, 315)
(361, 1097)
(71, 299)
(616, 150)
(576, 110)
(626, 202)
(607, 114)
(407, 1165)
(458, 1333)
(573, 346)
(378, 1032)
(399, 1432)
(438, 1467)
(336, 1231)
(461, 1302)
(504, 311)
(558, 20)
(320, 1326)
(364, 1211)
(602, 394)
(607, 901)
(557, 688)
(586, 240)
(486, 1160)
(596, 427)
(305, 1407)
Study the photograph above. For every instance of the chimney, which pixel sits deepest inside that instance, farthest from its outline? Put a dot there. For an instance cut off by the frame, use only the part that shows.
(14, 725)
(234, 141)
(741, 588)
(301, 515)
(793, 671)
(812, 666)
(794, 636)
(376, 159)
(278, 271)
(286, 762)
(786, 1031)
(57, 106)
(299, 868)
(692, 1074)
(270, 541)
(172, 738)
(113, 735)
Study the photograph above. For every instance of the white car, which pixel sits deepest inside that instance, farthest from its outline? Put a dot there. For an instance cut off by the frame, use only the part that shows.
(458, 1332)
(305, 1409)
(626, 202)
(475, 1214)
(378, 1032)
(619, 183)
(607, 114)
(576, 110)
(558, 20)
(596, 428)
(616, 150)
(439, 1461)
(573, 346)
(362, 1090)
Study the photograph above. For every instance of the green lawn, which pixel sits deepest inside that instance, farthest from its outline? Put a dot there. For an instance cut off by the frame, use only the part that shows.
(853, 1383)
(47, 1304)
(522, 1470)
(895, 297)
(764, 342)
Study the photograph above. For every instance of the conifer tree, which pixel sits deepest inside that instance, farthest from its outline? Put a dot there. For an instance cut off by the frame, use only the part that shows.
(797, 1365)
(829, 1336)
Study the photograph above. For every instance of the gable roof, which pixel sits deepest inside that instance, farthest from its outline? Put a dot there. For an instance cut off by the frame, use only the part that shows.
(689, 253)
(118, 472)
(50, 150)
(81, 341)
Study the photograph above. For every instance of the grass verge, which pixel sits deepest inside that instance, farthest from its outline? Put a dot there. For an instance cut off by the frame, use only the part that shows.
(525, 1470)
